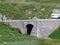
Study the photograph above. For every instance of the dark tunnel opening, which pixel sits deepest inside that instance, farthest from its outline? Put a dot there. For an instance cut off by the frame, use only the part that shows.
(29, 28)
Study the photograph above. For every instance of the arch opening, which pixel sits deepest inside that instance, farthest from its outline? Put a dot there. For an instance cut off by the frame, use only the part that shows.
(29, 28)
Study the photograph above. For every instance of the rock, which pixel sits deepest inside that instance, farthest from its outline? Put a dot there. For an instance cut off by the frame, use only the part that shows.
(4, 17)
(42, 9)
(34, 9)
(58, 5)
(5, 42)
(56, 11)
(0, 35)
(29, 11)
(30, 17)
(35, 18)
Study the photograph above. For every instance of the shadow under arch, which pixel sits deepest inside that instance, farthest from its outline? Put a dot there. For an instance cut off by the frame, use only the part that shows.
(29, 28)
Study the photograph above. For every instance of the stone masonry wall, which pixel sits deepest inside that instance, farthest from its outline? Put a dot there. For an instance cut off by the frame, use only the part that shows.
(42, 27)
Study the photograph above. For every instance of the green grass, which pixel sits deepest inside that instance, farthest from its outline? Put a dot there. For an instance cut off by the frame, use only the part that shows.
(13, 0)
(45, 1)
(10, 34)
(40, 1)
(56, 34)
(18, 11)
(34, 42)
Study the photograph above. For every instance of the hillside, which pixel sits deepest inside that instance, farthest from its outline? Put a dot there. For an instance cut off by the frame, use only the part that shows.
(8, 34)
(40, 1)
(45, 1)
(26, 10)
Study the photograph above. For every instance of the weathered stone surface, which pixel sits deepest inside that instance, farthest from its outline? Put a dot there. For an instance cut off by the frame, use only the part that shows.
(42, 27)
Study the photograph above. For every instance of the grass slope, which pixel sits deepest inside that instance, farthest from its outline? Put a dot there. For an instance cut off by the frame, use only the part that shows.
(41, 1)
(34, 42)
(45, 1)
(8, 34)
(56, 34)
(21, 10)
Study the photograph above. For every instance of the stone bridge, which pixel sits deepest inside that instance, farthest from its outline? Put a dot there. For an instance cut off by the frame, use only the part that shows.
(42, 27)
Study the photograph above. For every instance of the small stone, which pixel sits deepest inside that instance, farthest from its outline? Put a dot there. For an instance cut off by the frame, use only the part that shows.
(34, 9)
(29, 11)
(30, 17)
(42, 9)
(0, 35)
(4, 17)
(35, 18)
(5, 42)
(57, 5)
